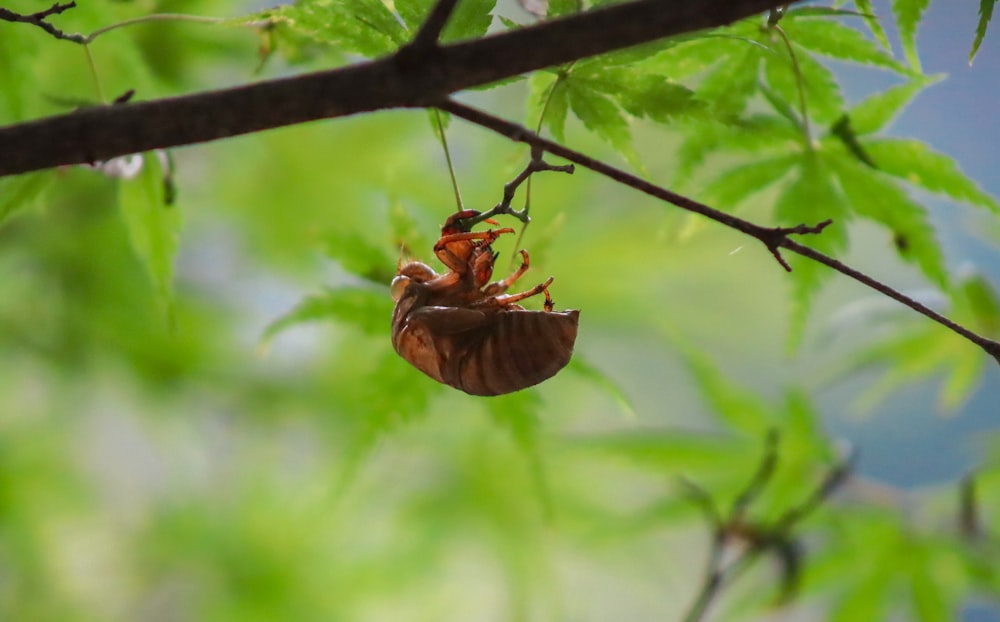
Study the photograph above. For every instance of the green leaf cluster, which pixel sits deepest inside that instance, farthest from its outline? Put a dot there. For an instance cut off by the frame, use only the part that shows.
(373, 28)
(152, 466)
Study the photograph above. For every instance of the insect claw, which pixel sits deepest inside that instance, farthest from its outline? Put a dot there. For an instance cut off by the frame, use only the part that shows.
(549, 303)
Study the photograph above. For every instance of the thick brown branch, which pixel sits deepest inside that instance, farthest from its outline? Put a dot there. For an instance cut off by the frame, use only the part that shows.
(772, 238)
(403, 80)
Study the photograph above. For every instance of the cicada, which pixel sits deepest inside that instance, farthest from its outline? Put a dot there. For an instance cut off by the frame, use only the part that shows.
(467, 332)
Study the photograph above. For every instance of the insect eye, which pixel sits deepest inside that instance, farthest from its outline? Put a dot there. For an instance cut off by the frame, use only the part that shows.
(398, 286)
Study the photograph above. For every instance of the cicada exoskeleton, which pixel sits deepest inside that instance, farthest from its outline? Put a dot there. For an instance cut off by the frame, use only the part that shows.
(467, 332)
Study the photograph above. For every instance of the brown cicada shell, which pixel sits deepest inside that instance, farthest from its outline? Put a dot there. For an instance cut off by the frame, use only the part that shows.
(463, 331)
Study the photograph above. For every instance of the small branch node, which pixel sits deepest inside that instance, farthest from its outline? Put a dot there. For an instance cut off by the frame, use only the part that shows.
(776, 237)
(38, 19)
(535, 165)
(123, 98)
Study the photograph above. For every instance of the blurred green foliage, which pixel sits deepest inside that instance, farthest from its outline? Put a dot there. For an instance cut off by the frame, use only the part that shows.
(202, 418)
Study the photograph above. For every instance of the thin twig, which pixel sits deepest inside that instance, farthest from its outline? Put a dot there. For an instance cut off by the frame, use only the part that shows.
(772, 22)
(776, 538)
(988, 345)
(535, 165)
(773, 238)
(759, 480)
(969, 522)
(38, 19)
(722, 526)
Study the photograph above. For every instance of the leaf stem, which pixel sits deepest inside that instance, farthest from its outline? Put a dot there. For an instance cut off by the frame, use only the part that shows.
(93, 73)
(799, 83)
(156, 17)
(447, 157)
(526, 210)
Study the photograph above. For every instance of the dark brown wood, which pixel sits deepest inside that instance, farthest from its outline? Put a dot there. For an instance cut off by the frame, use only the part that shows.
(414, 77)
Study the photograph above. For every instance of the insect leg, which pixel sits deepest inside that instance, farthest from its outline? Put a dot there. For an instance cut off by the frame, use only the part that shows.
(500, 287)
(507, 299)
(458, 261)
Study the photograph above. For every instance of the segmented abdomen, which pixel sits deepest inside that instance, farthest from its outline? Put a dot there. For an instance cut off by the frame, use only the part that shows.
(515, 350)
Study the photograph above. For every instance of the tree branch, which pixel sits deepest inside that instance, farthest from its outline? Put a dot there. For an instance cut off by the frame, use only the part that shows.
(38, 19)
(430, 30)
(773, 238)
(401, 80)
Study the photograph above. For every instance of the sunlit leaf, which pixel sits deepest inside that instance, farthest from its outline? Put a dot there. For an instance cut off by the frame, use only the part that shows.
(600, 115)
(366, 27)
(693, 53)
(801, 427)
(752, 134)
(916, 163)
(985, 15)
(983, 304)
(960, 381)
(837, 40)
(738, 407)
(823, 97)
(153, 226)
(874, 24)
(729, 85)
(594, 375)
(809, 199)
(734, 186)
(558, 8)
(367, 308)
(924, 350)
(358, 255)
(19, 192)
(818, 11)
(867, 598)
(783, 107)
(876, 111)
(406, 233)
(470, 19)
(400, 397)
(932, 598)
(908, 16)
(667, 450)
(17, 49)
(548, 103)
(641, 94)
(843, 129)
(877, 197)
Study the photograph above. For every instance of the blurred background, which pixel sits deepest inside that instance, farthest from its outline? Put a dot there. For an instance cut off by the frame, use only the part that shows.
(170, 459)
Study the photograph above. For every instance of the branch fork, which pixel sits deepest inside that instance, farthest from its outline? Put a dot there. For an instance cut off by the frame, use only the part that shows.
(535, 165)
(776, 237)
(775, 538)
(38, 19)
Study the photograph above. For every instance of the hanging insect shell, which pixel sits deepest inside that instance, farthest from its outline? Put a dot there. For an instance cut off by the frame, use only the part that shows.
(464, 331)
